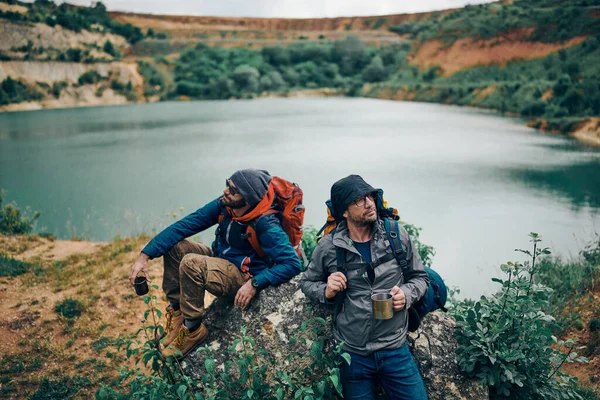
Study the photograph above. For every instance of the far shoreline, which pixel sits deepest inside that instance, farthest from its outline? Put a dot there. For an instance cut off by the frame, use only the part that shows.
(586, 131)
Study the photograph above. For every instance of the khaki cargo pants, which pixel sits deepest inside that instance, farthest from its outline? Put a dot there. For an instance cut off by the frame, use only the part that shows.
(190, 269)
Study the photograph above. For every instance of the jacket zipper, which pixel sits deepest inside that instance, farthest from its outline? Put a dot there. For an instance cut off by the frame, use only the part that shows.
(365, 277)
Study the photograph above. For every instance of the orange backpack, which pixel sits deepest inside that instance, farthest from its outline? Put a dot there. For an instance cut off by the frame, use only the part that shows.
(288, 201)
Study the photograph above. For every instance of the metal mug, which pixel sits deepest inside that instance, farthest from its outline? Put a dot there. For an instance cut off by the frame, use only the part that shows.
(382, 305)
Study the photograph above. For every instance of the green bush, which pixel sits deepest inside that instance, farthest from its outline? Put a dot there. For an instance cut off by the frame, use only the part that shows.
(74, 55)
(504, 339)
(57, 88)
(117, 86)
(109, 48)
(375, 71)
(11, 267)
(89, 77)
(69, 308)
(154, 82)
(248, 373)
(13, 221)
(15, 91)
(568, 279)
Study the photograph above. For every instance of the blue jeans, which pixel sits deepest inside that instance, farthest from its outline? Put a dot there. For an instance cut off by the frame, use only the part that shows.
(395, 370)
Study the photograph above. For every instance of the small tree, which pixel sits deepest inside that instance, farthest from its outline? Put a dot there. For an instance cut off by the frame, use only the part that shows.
(504, 339)
(110, 49)
(246, 78)
(375, 71)
(12, 220)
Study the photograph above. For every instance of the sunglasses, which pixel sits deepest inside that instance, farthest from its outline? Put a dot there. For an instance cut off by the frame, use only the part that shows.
(233, 191)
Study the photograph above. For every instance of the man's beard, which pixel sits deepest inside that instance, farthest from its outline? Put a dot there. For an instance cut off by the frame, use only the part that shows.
(236, 204)
(362, 221)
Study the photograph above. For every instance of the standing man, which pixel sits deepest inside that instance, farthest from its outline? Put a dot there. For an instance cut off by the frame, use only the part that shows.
(231, 268)
(377, 348)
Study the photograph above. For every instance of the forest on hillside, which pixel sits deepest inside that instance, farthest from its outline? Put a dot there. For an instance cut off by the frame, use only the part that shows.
(562, 87)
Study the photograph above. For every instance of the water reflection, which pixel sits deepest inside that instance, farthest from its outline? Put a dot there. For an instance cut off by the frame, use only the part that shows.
(579, 184)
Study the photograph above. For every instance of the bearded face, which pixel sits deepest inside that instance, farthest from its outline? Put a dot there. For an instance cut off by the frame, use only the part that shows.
(231, 196)
(234, 204)
(362, 211)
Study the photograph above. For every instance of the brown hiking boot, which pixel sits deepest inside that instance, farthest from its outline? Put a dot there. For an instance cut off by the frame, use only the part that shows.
(186, 341)
(174, 323)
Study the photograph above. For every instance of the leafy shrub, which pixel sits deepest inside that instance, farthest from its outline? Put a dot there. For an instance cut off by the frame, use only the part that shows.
(504, 340)
(124, 89)
(432, 73)
(57, 88)
(12, 16)
(51, 389)
(69, 308)
(154, 82)
(426, 252)
(116, 85)
(89, 77)
(248, 372)
(375, 71)
(74, 54)
(246, 78)
(11, 267)
(12, 220)
(109, 48)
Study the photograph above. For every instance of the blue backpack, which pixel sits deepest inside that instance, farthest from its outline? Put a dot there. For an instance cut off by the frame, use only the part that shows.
(437, 293)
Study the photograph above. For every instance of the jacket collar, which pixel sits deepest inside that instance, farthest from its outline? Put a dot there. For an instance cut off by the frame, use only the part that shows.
(341, 238)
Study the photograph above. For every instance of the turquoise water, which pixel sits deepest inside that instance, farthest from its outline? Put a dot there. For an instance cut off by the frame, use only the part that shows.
(475, 182)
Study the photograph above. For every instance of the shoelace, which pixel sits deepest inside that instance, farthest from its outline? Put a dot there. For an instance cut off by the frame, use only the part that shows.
(181, 337)
(169, 321)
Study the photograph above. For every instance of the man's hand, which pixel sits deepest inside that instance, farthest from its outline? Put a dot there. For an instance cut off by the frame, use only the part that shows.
(398, 298)
(140, 265)
(244, 295)
(335, 284)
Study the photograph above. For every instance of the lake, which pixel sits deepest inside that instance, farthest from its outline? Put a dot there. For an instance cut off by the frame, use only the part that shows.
(477, 183)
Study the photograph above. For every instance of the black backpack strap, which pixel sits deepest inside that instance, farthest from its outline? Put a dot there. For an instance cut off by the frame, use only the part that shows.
(393, 231)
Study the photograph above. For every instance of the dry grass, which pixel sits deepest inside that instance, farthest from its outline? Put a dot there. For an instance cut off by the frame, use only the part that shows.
(38, 343)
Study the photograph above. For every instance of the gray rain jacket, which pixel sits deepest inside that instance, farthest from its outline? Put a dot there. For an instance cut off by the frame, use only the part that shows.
(354, 323)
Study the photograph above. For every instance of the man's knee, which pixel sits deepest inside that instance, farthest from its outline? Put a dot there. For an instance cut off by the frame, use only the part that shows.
(194, 264)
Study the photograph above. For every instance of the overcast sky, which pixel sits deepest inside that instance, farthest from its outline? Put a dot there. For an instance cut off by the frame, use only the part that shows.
(280, 8)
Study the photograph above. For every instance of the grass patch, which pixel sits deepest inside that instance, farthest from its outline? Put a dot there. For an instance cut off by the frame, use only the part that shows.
(572, 282)
(101, 343)
(11, 267)
(69, 308)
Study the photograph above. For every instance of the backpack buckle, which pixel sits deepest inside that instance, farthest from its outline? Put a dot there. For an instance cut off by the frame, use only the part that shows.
(393, 235)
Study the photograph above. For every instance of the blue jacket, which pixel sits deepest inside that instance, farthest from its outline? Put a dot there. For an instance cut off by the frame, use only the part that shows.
(231, 243)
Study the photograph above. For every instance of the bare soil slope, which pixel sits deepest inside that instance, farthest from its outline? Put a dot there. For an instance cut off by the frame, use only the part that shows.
(469, 52)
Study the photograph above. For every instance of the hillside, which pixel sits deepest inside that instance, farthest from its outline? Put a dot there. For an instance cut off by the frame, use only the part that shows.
(486, 56)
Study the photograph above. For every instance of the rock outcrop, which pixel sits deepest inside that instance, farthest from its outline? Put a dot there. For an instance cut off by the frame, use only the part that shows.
(278, 314)
(17, 34)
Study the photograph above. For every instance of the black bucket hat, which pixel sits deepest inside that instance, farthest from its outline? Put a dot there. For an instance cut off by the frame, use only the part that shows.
(346, 190)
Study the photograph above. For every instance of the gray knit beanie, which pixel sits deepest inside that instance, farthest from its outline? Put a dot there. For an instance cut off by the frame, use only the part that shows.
(252, 184)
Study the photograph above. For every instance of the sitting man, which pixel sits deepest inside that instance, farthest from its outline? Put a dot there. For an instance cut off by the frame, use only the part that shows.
(377, 348)
(231, 268)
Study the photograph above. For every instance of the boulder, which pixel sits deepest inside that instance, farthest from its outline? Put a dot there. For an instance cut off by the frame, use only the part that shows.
(276, 320)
